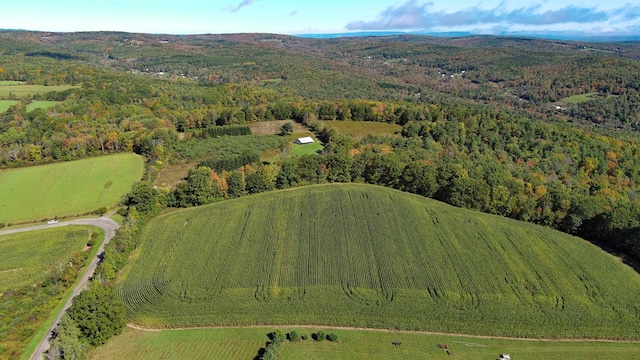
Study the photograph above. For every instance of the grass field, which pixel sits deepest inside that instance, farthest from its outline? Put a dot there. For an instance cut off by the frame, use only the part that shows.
(66, 188)
(40, 105)
(367, 256)
(298, 150)
(363, 128)
(11, 82)
(236, 343)
(27, 256)
(6, 104)
(578, 99)
(20, 90)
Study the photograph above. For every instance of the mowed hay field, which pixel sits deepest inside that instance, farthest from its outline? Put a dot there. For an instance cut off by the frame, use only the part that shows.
(367, 256)
(27, 257)
(66, 188)
(234, 343)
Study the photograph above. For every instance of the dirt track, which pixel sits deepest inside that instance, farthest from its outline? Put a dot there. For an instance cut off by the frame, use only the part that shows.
(324, 327)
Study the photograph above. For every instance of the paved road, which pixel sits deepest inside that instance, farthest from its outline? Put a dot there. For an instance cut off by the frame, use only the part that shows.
(109, 226)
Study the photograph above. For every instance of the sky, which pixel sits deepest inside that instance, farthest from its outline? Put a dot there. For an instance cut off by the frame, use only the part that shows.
(292, 17)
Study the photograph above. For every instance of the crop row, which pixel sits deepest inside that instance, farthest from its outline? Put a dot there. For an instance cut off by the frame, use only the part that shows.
(326, 253)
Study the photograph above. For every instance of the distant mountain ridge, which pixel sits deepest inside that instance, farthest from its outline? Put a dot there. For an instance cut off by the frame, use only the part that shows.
(546, 35)
(558, 35)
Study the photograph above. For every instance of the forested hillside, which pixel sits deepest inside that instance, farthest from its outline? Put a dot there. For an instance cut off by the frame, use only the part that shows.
(541, 131)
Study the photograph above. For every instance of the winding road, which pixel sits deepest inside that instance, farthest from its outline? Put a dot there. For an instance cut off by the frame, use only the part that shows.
(109, 226)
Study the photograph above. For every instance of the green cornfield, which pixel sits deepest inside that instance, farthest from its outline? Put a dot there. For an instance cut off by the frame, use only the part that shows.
(367, 256)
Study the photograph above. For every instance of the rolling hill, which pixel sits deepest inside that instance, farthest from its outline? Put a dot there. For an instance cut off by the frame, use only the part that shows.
(366, 256)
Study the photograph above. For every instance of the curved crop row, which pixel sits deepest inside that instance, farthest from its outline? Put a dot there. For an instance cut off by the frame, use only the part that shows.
(358, 255)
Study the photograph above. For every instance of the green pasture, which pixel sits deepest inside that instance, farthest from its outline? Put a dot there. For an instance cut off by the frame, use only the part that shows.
(19, 90)
(6, 104)
(40, 105)
(363, 128)
(66, 188)
(367, 256)
(26, 257)
(578, 99)
(235, 343)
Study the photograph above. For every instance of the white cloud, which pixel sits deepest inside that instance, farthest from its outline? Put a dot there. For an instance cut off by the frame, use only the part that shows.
(412, 15)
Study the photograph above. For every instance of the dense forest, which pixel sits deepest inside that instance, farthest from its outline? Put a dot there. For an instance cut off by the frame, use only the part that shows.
(536, 130)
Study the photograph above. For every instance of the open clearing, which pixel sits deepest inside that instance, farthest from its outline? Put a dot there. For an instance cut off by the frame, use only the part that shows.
(274, 127)
(578, 99)
(66, 188)
(20, 90)
(367, 256)
(237, 343)
(363, 128)
(40, 105)
(6, 104)
(11, 82)
(299, 150)
(26, 257)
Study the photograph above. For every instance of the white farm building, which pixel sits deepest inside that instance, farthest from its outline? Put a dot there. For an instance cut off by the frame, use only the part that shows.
(304, 140)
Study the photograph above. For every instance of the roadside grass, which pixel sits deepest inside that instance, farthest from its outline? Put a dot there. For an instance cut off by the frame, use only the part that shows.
(19, 90)
(6, 104)
(46, 324)
(117, 218)
(363, 128)
(244, 343)
(578, 99)
(66, 188)
(41, 105)
(367, 256)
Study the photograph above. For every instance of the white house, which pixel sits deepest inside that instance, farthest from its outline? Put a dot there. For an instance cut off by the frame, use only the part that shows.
(304, 140)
